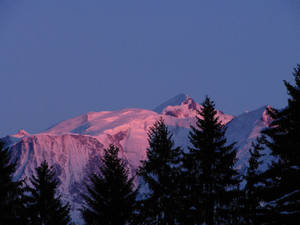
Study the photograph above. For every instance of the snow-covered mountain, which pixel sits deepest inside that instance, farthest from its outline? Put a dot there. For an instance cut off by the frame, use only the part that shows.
(74, 146)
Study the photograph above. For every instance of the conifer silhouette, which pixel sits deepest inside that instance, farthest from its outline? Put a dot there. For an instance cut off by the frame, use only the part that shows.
(252, 208)
(110, 197)
(11, 192)
(45, 206)
(160, 174)
(282, 193)
(211, 179)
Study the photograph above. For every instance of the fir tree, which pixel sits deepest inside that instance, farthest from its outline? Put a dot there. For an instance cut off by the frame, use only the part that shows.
(252, 209)
(282, 178)
(44, 204)
(11, 192)
(211, 180)
(160, 174)
(110, 197)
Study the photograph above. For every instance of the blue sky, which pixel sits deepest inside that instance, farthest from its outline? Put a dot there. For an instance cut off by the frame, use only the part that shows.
(59, 59)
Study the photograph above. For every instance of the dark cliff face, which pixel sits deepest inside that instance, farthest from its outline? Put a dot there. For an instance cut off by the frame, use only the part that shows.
(192, 105)
(174, 113)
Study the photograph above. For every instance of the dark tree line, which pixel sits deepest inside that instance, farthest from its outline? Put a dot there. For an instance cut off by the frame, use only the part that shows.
(282, 193)
(199, 185)
(11, 198)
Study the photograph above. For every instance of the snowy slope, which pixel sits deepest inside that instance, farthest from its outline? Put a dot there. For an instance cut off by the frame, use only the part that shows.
(244, 129)
(75, 146)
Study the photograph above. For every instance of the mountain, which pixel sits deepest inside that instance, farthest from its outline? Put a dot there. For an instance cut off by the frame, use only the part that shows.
(74, 147)
(244, 129)
(177, 100)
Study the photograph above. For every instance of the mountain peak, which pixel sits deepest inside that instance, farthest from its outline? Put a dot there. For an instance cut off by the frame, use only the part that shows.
(266, 117)
(177, 100)
(21, 133)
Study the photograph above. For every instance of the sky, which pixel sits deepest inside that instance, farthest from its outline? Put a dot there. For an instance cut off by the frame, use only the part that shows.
(60, 59)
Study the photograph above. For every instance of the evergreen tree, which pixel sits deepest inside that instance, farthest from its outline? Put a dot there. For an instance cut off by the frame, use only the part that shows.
(11, 192)
(252, 209)
(45, 206)
(211, 181)
(160, 174)
(282, 194)
(110, 198)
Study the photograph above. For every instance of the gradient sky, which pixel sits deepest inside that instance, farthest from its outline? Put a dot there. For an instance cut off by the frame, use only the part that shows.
(59, 59)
